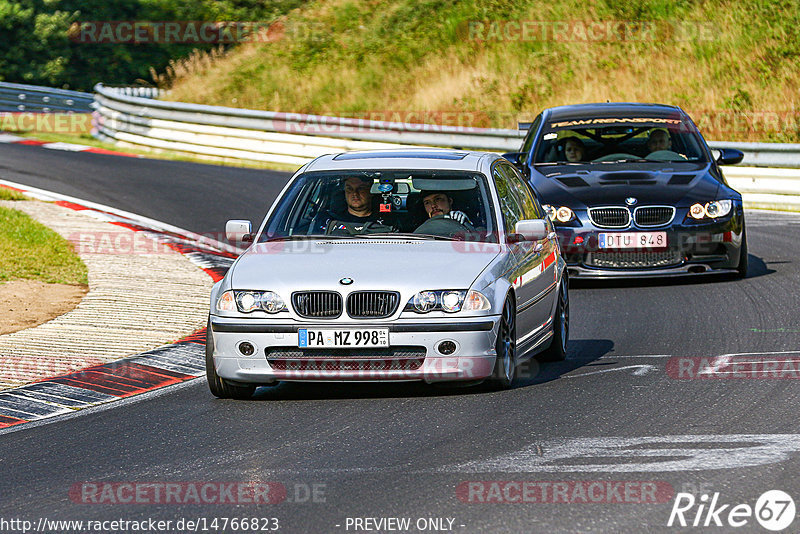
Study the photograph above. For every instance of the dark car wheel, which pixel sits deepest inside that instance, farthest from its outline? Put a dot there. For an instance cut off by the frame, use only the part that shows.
(505, 365)
(741, 269)
(218, 386)
(557, 351)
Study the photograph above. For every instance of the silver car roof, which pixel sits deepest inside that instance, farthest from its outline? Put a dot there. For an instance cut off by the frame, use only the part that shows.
(403, 158)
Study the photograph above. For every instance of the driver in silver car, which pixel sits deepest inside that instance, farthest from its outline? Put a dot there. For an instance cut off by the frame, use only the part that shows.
(440, 203)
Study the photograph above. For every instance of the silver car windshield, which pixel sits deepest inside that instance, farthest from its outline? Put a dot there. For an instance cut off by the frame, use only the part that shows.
(449, 205)
(619, 140)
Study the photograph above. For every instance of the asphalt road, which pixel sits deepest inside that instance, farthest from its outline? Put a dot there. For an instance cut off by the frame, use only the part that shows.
(616, 412)
(208, 195)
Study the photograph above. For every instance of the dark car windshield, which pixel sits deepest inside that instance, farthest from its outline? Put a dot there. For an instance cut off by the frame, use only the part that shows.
(388, 204)
(617, 140)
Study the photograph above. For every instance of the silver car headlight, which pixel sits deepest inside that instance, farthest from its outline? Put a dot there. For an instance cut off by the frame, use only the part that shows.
(448, 300)
(250, 301)
(711, 210)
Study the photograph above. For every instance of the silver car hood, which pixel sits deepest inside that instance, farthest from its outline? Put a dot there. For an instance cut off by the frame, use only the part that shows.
(411, 265)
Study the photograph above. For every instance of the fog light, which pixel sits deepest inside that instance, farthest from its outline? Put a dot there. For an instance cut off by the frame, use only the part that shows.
(446, 348)
(246, 348)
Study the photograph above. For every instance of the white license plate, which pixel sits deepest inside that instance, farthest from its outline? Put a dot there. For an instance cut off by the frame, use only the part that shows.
(633, 240)
(362, 337)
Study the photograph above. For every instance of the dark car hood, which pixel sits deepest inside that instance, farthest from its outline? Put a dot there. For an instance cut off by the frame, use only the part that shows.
(676, 184)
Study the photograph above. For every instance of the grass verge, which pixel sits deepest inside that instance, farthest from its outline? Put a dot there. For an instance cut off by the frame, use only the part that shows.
(734, 66)
(10, 194)
(29, 250)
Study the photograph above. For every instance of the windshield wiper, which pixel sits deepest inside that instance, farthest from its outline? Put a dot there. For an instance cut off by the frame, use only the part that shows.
(401, 235)
(301, 237)
(627, 160)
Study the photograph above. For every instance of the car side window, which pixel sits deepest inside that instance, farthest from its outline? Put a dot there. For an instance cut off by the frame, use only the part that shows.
(530, 207)
(510, 205)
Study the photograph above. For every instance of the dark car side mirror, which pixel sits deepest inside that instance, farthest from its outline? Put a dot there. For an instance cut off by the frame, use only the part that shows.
(516, 158)
(729, 156)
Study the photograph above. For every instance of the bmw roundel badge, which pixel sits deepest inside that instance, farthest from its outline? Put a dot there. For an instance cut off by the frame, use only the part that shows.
(631, 201)
(346, 281)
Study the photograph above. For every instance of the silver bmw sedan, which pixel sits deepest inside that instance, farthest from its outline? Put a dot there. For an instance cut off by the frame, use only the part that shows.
(417, 264)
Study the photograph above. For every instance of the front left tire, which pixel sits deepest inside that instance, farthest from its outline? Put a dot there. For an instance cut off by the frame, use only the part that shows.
(219, 387)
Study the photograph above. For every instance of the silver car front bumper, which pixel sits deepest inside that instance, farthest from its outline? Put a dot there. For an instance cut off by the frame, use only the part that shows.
(412, 355)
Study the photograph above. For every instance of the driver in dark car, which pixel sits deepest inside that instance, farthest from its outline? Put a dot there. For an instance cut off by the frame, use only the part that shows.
(439, 203)
(658, 140)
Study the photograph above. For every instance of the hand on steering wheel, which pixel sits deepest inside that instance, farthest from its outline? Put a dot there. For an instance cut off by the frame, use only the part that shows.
(460, 217)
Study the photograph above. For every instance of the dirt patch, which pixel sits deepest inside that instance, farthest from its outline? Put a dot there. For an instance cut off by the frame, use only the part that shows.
(28, 303)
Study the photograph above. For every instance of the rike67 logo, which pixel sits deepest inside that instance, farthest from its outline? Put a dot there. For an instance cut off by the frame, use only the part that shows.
(774, 510)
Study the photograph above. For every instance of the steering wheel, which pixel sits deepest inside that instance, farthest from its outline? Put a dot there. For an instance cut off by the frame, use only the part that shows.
(442, 226)
(665, 155)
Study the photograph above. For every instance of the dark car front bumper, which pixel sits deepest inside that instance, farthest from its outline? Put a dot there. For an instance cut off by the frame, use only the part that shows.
(692, 248)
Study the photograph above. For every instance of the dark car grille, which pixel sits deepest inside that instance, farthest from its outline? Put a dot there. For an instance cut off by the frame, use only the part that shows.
(633, 259)
(317, 304)
(401, 358)
(610, 217)
(653, 215)
(372, 304)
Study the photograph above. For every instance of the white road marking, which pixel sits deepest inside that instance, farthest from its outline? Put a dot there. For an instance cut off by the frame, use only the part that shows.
(8, 138)
(641, 370)
(608, 455)
(69, 147)
(642, 454)
(719, 362)
(612, 356)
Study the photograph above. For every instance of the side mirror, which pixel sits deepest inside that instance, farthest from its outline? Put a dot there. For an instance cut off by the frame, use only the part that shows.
(239, 231)
(516, 158)
(530, 230)
(729, 156)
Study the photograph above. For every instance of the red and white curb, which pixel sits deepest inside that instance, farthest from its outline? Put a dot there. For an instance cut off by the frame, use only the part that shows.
(133, 375)
(68, 147)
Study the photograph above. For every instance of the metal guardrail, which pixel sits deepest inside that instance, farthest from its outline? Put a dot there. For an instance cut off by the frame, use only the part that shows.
(19, 98)
(290, 138)
(130, 115)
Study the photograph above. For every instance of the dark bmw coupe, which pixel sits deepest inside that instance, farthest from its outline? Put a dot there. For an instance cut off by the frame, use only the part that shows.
(634, 191)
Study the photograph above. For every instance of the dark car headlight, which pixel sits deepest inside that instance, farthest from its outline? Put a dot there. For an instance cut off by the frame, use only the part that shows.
(711, 210)
(560, 214)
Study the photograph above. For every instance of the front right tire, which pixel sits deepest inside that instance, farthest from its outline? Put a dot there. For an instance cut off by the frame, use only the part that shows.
(557, 351)
(505, 365)
(219, 387)
(741, 269)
